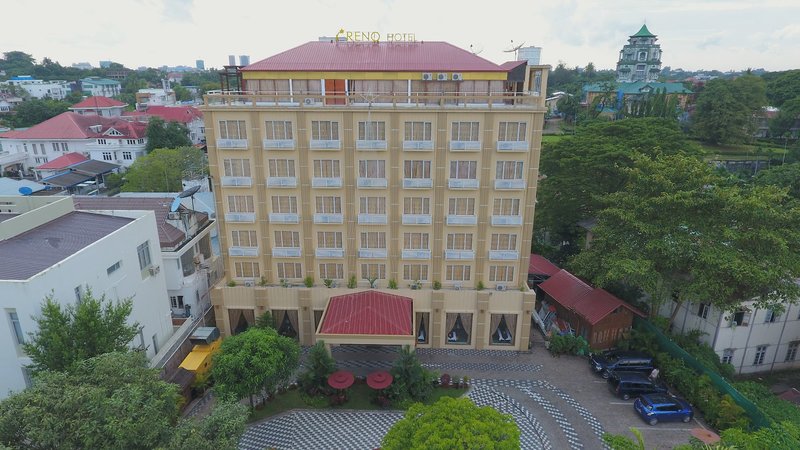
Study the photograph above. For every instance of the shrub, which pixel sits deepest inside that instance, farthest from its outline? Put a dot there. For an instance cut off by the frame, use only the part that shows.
(411, 379)
(327, 282)
(480, 286)
(392, 284)
(568, 344)
(352, 282)
(309, 281)
(263, 281)
(265, 320)
(231, 283)
(318, 368)
(445, 380)
(437, 285)
(773, 407)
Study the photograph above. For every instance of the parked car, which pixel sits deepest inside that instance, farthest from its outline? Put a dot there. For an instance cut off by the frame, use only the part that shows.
(607, 361)
(653, 408)
(633, 384)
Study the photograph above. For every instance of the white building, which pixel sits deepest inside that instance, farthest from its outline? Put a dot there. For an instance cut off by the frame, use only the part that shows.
(55, 89)
(100, 87)
(48, 248)
(154, 97)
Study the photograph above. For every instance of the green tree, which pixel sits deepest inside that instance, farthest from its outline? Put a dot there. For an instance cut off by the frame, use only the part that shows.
(452, 423)
(163, 169)
(265, 320)
(166, 135)
(782, 86)
(569, 106)
(780, 436)
(181, 93)
(255, 361)
(411, 380)
(785, 176)
(725, 110)
(16, 63)
(622, 442)
(36, 111)
(318, 368)
(220, 430)
(783, 122)
(680, 230)
(74, 333)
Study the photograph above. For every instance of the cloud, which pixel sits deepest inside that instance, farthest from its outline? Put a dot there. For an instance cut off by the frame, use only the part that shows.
(712, 40)
(788, 32)
(178, 10)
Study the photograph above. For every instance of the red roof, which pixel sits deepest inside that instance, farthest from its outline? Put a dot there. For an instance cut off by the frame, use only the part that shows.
(183, 114)
(98, 102)
(71, 125)
(541, 266)
(593, 304)
(375, 57)
(369, 312)
(565, 288)
(63, 161)
(510, 65)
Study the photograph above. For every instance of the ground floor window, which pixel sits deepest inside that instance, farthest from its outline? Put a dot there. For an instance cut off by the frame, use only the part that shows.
(423, 325)
(459, 326)
(176, 301)
(285, 321)
(503, 328)
(241, 319)
(791, 352)
(761, 352)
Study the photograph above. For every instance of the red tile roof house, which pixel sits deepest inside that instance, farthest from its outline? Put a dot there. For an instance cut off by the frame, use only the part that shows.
(54, 166)
(99, 106)
(187, 115)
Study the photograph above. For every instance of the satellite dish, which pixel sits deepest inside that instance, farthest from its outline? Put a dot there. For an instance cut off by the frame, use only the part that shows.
(25, 190)
(175, 204)
(189, 192)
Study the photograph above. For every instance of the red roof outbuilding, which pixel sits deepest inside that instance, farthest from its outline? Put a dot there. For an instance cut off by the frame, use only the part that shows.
(540, 265)
(98, 102)
(63, 161)
(369, 313)
(182, 114)
(593, 304)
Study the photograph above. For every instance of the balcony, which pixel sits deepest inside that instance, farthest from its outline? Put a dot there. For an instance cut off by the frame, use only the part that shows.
(284, 218)
(236, 181)
(372, 219)
(286, 252)
(421, 146)
(507, 221)
(329, 253)
(509, 184)
(286, 182)
(234, 144)
(417, 183)
(326, 144)
(416, 254)
(372, 144)
(278, 144)
(242, 251)
(372, 182)
(463, 183)
(240, 217)
(512, 146)
(328, 218)
(465, 146)
(503, 255)
(417, 219)
(459, 255)
(372, 253)
(453, 219)
(326, 182)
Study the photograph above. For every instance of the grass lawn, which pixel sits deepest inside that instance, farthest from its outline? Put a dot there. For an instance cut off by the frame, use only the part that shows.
(359, 397)
(553, 137)
(741, 152)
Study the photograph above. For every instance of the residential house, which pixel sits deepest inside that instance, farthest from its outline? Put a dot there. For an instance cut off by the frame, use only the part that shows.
(8, 102)
(97, 86)
(86, 177)
(40, 89)
(154, 97)
(57, 165)
(629, 93)
(99, 106)
(190, 116)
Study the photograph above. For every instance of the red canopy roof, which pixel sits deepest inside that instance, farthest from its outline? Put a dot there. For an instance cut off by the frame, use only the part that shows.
(97, 102)
(593, 304)
(63, 161)
(541, 266)
(368, 312)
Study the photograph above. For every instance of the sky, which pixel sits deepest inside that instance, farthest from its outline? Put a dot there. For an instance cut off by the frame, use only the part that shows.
(696, 34)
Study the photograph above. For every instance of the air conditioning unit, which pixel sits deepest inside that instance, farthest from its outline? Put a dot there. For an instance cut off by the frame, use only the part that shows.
(427, 76)
(457, 286)
(500, 287)
(249, 283)
(308, 101)
(458, 77)
(154, 270)
(441, 77)
(173, 215)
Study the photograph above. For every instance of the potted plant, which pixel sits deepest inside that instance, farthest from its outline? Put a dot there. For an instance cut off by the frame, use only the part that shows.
(327, 282)
(284, 282)
(437, 285)
(352, 283)
(392, 284)
(445, 380)
(231, 283)
(308, 281)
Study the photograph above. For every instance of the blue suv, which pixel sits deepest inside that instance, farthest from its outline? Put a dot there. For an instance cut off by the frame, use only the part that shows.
(653, 408)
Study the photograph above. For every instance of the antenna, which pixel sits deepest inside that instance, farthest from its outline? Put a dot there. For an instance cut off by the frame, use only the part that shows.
(475, 51)
(514, 49)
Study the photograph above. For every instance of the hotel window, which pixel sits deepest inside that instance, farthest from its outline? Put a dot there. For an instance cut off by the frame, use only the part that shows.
(176, 301)
(246, 269)
(143, 250)
(232, 129)
(107, 156)
(16, 326)
(329, 205)
(289, 270)
(281, 168)
(761, 352)
(113, 268)
(324, 130)
(509, 170)
(770, 316)
(372, 205)
(372, 168)
(416, 205)
(284, 204)
(326, 168)
(99, 141)
(416, 241)
(506, 207)
(369, 271)
(459, 241)
(240, 204)
(329, 239)
(741, 317)
(244, 238)
(501, 273)
(331, 271)
(417, 169)
(459, 328)
(461, 207)
(504, 241)
(65, 146)
(727, 356)
(512, 131)
(131, 141)
(502, 328)
(457, 272)
(415, 272)
(127, 156)
(373, 239)
(642, 56)
(371, 131)
(278, 129)
(418, 131)
(55, 146)
(791, 351)
(287, 239)
(464, 131)
(467, 170)
(236, 167)
(702, 310)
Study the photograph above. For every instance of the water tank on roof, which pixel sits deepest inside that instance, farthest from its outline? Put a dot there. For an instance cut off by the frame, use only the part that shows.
(531, 54)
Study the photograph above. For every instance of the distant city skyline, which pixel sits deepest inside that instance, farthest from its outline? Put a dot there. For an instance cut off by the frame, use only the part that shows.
(707, 34)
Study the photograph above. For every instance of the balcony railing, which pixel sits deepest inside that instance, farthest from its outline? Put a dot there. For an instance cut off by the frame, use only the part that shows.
(416, 254)
(326, 182)
(242, 251)
(509, 184)
(326, 144)
(512, 146)
(286, 252)
(459, 255)
(465, 146)
(508, 221)
(278, 144)
(453, 219)
(372, 182)
(328, 218)
(236, 181)
(417, 183)
(416, 219)
(503, 255)
(372, 219)
(287, 182)
(238, 144)
(240, 217)
(372, 253)
(284, 218)
(371, 144)
(418, 145)
(329, 253)
(463, 183)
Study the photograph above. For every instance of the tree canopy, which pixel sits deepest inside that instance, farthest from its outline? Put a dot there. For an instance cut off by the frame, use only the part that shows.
(220, 430)
(163, 169)
(74, 333)
(786, 176)
(782, 86)
(34, 111)
(452, 423)
(166, 135)
(725, 109)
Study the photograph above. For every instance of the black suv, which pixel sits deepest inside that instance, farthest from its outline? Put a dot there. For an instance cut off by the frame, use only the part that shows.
(607, 361)
(634, 384)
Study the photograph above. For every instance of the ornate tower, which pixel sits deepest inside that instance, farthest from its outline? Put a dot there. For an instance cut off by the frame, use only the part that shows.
(640, 58)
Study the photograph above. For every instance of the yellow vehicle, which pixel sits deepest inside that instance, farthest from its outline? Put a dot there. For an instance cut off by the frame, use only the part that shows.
(206, 342)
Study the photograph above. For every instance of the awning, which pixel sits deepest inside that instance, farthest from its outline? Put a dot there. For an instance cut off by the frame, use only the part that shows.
(368, 317)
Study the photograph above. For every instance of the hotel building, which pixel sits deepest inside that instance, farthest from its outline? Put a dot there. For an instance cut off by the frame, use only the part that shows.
(409, 165)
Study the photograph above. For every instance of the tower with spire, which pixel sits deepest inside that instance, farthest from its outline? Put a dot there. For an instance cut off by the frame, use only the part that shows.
(640, 58)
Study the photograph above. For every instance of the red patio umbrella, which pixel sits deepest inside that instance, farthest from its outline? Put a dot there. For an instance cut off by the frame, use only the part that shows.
(341, 379)
(379, 380)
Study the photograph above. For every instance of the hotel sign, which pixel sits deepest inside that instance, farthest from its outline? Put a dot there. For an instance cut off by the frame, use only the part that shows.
(373, 36)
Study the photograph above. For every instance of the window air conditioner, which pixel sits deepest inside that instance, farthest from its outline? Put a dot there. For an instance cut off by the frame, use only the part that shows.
(441, 77)
(457, 286)
(500, 287)
(154, 270)
(249, 283)
(458, 77)
(308, 101)
(427, 76)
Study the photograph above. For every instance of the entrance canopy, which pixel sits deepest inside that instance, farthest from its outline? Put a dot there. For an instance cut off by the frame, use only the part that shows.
(368, 317)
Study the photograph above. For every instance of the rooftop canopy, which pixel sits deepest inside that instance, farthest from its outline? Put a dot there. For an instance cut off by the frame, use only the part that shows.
(368, 317)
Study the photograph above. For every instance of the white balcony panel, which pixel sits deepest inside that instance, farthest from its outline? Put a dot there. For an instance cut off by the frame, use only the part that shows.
(372, 253)
(509, 184)
(465, 146)
(512, 146)
(370, 145)
(372, 219)
(459, 255)
(503, 255)
(243, 251)
(326, 182)
(417, 183)
(232, 143)
(329, 253)
(372, 182)
(278, 144)
(418, 145)
(462, 220)
(416, 254)
(284, 218)
(287, 182)
(240, 217)
(507, 221)
(325, 144)
(236, 181)
(328, 218)
(463, 183)
(286, 252)
(417, 219)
